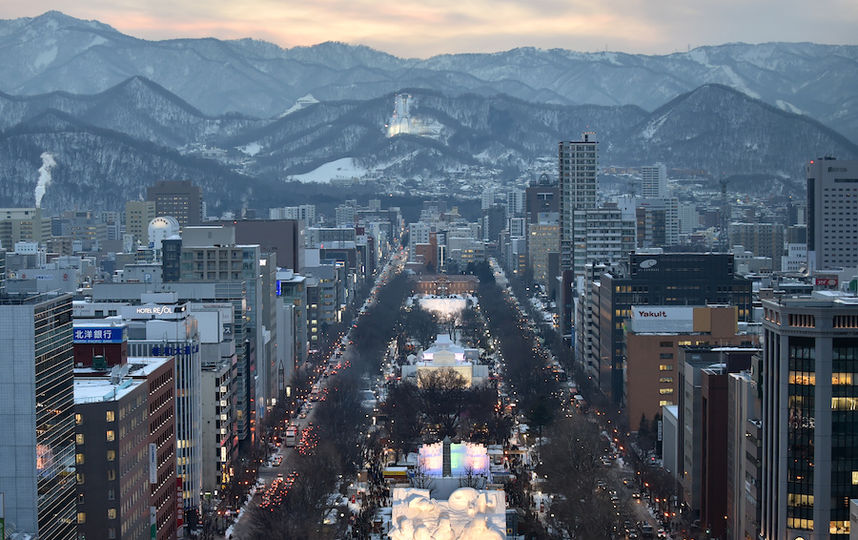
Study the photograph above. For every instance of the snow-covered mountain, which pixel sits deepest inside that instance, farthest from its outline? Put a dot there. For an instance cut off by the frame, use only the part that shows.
(109, 146)
(54, 52)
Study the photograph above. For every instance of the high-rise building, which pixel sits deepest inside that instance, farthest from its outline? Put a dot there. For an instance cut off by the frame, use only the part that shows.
(832, 211)
(178, 198)
(37, 471)
(668, 279)
(577, 180)
(541, 198)
(111, 457)
(138, 215)
(23, 225)
(654, 181)
(762, 239)
(743, 455)
(810, 414)
(543, 239)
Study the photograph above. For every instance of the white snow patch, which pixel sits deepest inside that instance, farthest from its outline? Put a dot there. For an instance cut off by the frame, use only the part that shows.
(97, 40)
(301, 103)
(149, 70)
(341, 169)
(650, 129)
(48, 163)
(251, 149)
(45, 57)
(788, 107)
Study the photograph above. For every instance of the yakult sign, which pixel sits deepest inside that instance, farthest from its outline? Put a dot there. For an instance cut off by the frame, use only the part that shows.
(657, 319)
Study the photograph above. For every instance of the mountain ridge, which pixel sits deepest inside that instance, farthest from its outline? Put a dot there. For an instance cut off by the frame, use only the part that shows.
(262, 79)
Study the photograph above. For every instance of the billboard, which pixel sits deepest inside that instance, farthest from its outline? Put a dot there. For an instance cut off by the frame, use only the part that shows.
(662, 319)
(86, 334)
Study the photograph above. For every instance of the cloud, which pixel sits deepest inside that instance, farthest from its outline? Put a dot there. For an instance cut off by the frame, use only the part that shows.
(423, 28)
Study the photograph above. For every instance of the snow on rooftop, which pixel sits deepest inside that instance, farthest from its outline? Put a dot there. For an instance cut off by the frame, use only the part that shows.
(101, 389)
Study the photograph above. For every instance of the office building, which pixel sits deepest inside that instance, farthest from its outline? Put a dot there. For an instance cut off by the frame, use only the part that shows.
(138, 214)
(37, 471)
(181, 199)
(744, 451)
(578, 161)
(543, 239)
(832, 214)
(761, 239)
(653, 337)
(285, 237)
(702, 445)
(111, 457)
(541, 198)
(23, 225)
(654, 181)
(810, 413)
(666, 279)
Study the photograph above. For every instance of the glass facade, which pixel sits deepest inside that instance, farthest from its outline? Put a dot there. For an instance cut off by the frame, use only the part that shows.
(844, 433)
(802, 387)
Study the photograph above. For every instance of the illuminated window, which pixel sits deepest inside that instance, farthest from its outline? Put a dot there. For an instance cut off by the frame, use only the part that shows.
(799, 499)
(665, 380)
(78, 439)
(665, 367)
(665, 403)
(838, 527)
(111, 455)
(111, 474)
(78, 459)
(844, 404)
(803, 377)
(79, 477)
(664, 391)
(78, 418)
(855, 478)
(110, 416)
(111, 513)
(81, 517)
(841, 378)
(111, 435)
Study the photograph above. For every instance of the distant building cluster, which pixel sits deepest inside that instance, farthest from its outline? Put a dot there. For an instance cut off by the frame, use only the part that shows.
(148, 346)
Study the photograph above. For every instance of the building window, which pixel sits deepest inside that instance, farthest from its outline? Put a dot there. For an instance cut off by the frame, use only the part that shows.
(81, 517)
(111, 532)
(666, 380)
(78, 439)
(78, 459)
(111, 455)
(665, 391)
(110, 416)
(111, 513)
(665, 356)
(665, 367)
(111, 435)
(78, 418)
(111, 474)
(79, 477)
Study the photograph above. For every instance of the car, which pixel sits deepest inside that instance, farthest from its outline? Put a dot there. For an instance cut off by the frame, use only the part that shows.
(302, 415)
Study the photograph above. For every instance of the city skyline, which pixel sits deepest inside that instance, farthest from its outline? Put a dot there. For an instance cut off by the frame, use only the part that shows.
(414, 29)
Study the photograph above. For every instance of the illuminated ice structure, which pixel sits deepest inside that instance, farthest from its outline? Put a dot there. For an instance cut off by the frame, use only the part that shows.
(468, 514)
(464, 458)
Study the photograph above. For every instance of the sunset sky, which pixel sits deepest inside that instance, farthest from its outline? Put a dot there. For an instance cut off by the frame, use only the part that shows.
(422, 28)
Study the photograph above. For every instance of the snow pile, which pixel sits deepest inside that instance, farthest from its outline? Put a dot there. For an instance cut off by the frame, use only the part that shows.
(341, 169)
(468, 514)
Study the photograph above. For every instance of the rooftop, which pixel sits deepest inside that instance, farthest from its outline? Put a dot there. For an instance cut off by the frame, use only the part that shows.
(98, 389)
